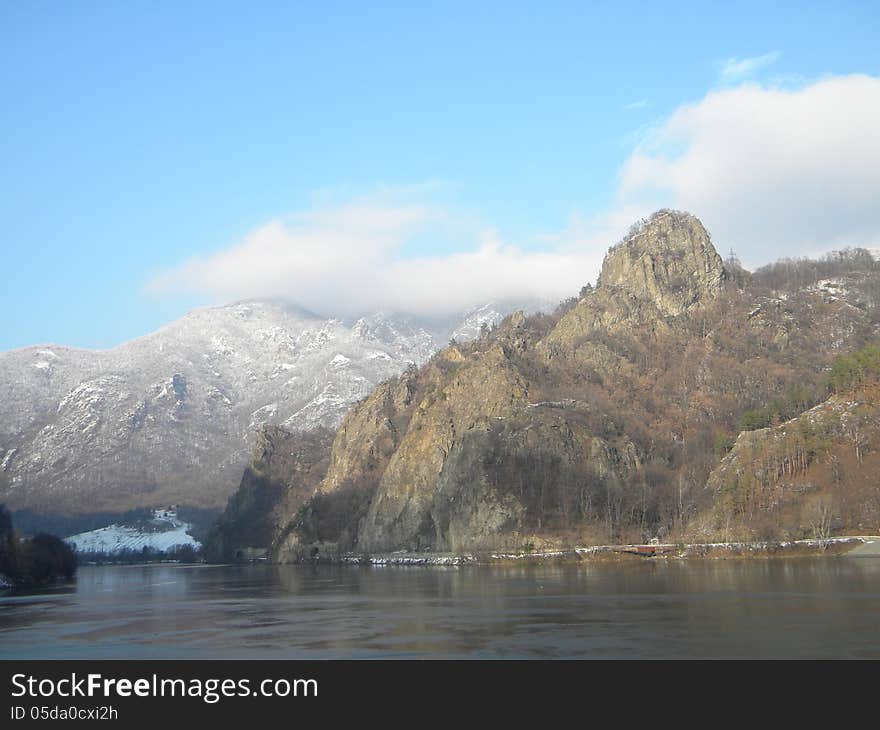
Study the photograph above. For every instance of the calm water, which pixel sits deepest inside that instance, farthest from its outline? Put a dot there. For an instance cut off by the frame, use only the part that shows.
(806, 607)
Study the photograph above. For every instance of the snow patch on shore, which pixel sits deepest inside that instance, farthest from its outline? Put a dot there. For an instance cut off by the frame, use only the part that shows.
(164, 531)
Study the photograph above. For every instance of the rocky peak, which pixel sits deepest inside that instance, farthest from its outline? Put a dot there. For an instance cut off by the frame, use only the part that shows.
(667, 259)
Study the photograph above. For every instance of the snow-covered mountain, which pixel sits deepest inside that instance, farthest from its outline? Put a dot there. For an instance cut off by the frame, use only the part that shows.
(169, 418)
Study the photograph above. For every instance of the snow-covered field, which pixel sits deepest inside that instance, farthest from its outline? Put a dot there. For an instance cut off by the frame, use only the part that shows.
(163, 532)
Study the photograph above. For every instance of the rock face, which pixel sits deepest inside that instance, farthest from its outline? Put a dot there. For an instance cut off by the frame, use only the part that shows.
(666, 266)
(170, 418)
(669, 261)
(285, 469)
(442, 428)
(455, 457)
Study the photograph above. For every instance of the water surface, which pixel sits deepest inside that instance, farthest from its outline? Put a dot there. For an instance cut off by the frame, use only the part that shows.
(779, 608)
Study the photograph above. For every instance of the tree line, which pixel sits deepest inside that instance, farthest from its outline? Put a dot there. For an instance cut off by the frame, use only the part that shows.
(175, 554)
(32, 561)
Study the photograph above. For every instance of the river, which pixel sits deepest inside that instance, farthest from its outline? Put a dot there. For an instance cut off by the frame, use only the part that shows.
(825, 607)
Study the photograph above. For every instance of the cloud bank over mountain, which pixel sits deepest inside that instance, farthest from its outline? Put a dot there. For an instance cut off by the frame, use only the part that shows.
(349, 259)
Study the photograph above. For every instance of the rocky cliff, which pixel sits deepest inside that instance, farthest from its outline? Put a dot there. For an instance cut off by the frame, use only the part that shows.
(599, 422)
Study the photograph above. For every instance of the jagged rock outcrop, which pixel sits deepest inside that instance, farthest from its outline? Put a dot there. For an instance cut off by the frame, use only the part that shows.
(666, 266)
(668, 260)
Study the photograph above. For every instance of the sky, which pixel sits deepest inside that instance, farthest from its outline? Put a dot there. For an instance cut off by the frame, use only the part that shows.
(158, 156)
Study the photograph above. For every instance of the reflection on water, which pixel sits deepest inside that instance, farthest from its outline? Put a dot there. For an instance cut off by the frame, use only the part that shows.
(822, 607)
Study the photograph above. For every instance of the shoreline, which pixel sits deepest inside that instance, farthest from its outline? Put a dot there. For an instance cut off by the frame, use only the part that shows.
(834, 546)
(862, 545)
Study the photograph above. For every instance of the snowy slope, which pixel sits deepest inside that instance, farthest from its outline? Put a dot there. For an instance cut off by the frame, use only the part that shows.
(163, 532)
(169, 418)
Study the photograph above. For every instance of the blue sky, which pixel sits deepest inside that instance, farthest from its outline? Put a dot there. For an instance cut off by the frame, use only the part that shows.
(138, 137)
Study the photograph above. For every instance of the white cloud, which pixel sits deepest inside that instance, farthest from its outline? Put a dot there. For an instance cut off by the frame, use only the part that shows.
(348, 260)
(771, 172)
(736, 69)
(633, 105)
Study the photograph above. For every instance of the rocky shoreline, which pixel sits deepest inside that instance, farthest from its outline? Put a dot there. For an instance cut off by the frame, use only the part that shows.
(712, 550)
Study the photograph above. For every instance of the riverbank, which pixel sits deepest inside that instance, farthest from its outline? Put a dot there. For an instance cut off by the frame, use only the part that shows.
(867, 546)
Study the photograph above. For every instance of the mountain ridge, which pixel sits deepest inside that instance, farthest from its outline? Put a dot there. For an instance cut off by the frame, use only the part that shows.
(169, 417)
(599, 422)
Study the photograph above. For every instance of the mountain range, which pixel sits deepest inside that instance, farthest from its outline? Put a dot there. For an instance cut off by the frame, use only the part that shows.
(171, 417)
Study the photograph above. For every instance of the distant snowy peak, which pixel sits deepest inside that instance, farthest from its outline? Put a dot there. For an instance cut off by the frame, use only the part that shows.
(399, 334)
(475, 321)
